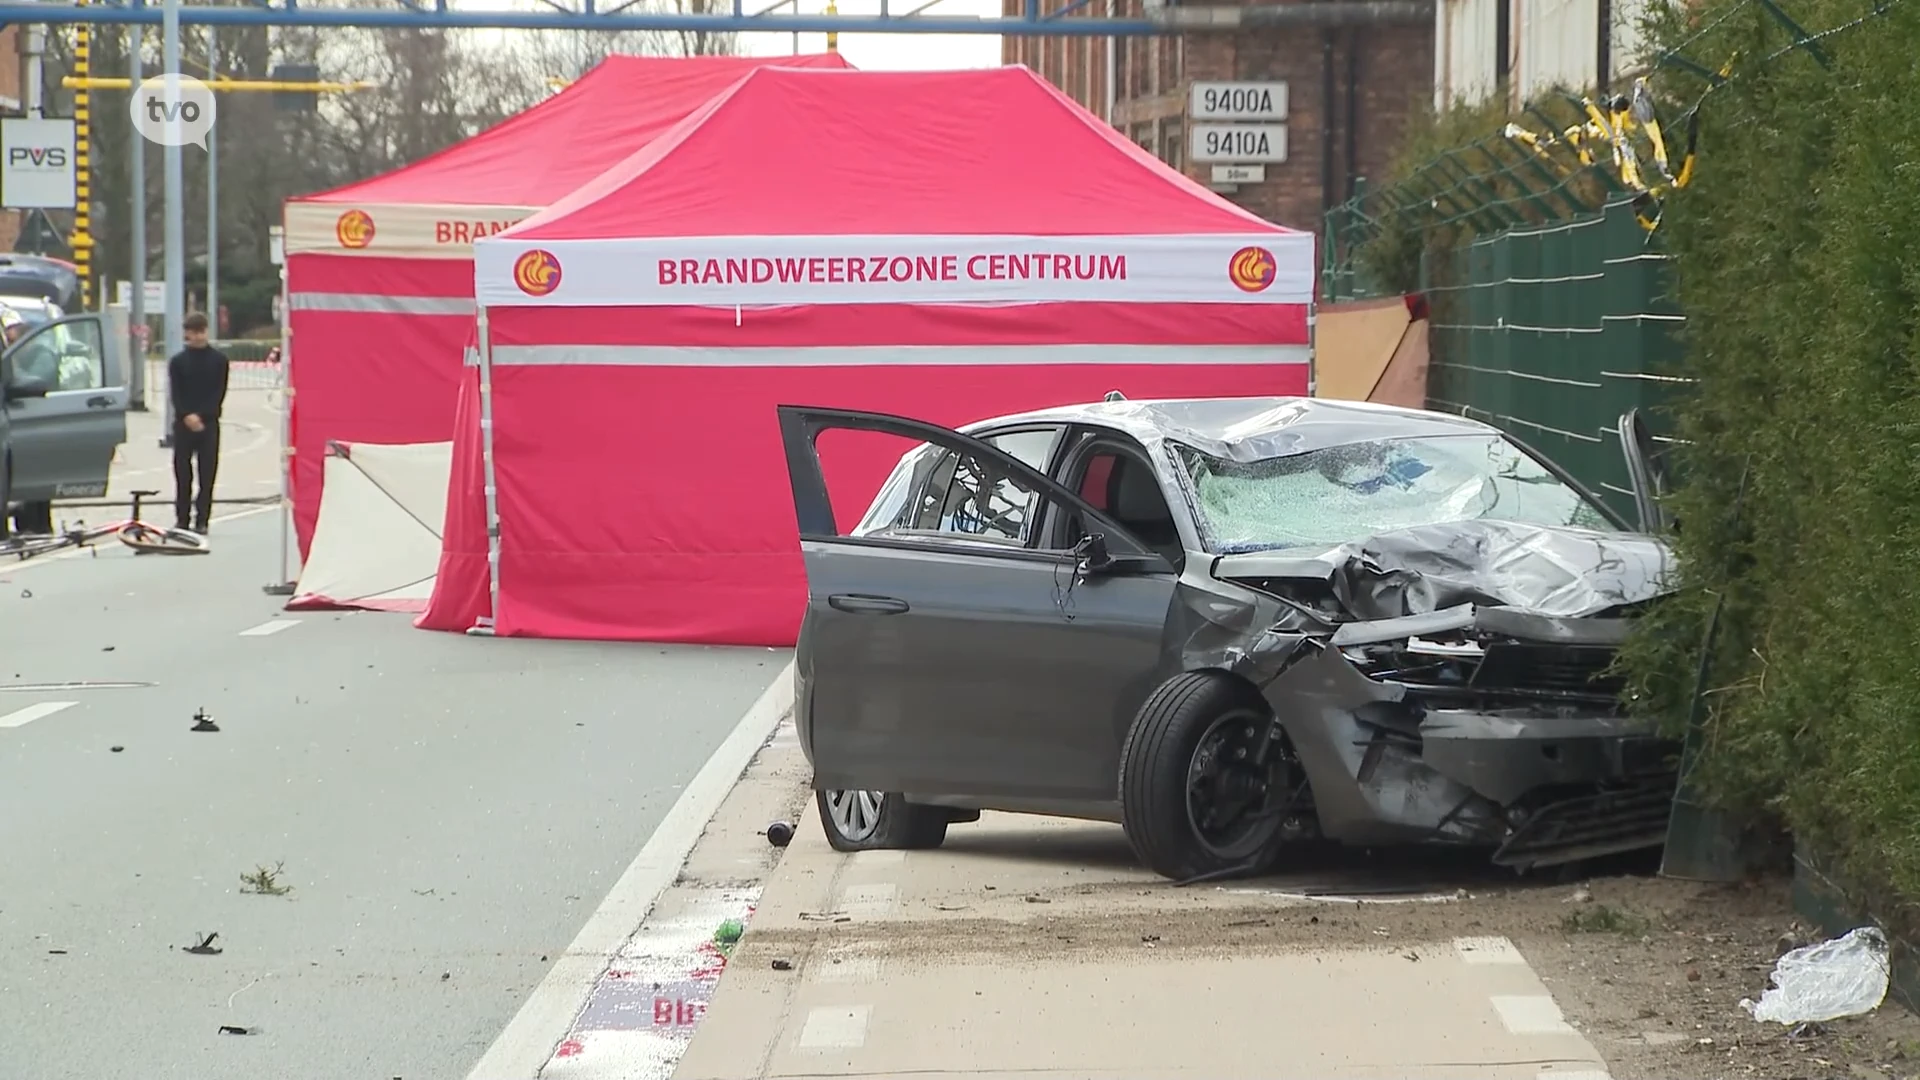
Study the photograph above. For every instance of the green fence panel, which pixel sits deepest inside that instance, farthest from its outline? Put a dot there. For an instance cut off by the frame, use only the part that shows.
(1552, 332)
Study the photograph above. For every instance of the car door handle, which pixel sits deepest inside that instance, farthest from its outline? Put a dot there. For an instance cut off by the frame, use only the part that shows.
(856, 604)
(99, 403)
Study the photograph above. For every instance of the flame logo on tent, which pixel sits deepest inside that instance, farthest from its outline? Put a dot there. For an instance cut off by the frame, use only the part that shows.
(354, 229)
(1252, 269)
(537, 272)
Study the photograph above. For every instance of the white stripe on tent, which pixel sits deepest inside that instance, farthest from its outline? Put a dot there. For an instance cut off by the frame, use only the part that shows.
(369, 304)
(892, 355)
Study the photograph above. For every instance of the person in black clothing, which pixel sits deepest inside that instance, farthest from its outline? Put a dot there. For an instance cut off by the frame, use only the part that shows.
(196, 388)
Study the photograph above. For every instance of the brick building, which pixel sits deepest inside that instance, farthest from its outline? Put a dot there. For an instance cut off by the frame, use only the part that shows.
(12, 103)
(1355, 70)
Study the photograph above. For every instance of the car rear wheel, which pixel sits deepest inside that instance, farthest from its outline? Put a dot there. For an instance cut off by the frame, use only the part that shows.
(878, 820)
(35, 518)
(1191, 800)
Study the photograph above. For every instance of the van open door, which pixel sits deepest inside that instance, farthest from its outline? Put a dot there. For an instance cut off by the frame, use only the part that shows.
(66, 401)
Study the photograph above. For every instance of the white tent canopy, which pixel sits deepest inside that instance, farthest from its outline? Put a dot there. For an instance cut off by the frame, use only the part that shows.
(377, 543)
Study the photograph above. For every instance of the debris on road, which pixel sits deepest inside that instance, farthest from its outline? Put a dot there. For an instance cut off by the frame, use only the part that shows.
(230, 1029)
(116, 749)
(1843, 977)
(780, 833)
(205, 946)
(782, 965)
(202, 721)
(264, 881)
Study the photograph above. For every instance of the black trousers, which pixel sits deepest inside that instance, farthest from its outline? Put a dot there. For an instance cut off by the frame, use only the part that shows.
(194, 451)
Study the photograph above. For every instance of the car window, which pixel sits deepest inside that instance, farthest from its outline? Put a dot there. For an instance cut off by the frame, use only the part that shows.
(1342, 493)
(1121, 484)
(935, 490)
(1033, 448)
(972, 496)
(64, 356)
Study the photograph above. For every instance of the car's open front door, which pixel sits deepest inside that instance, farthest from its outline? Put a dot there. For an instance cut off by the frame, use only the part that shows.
(947, 651)
(1644, 472)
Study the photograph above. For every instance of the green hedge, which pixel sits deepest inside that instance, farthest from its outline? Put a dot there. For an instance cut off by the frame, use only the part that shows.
(1796, 257)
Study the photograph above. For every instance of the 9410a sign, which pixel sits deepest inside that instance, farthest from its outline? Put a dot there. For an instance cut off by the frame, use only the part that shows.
(1240, 144)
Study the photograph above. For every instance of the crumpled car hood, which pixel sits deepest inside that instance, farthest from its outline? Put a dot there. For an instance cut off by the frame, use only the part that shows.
(1558, 572)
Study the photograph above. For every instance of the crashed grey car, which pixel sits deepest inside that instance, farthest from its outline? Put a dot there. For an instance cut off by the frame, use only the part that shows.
(1227, 625)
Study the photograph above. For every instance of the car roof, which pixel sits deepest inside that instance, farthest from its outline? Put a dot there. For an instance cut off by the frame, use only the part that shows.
(1252, 428)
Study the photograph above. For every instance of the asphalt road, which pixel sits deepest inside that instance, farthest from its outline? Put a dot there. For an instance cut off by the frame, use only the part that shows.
(447, 812)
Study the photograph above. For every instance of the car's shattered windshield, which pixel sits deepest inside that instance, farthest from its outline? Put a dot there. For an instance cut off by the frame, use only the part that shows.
(1342, 493)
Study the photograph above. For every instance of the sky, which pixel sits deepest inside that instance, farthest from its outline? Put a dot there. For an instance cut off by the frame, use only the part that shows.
(889, 52)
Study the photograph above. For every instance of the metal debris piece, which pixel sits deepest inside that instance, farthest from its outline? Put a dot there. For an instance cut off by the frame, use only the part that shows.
(205, 947)
(116, 749)
(202, 721)
(229, 1029)
(780, 833)
(783, 965)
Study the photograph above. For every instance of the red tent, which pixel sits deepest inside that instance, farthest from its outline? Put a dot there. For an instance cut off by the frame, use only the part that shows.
(380, 273)
(948, 245)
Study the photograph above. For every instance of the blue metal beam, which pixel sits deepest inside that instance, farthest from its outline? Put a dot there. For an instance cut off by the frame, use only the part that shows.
(441, 17)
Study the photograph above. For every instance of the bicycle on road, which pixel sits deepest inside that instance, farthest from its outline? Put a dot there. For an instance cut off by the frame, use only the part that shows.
(145, 538)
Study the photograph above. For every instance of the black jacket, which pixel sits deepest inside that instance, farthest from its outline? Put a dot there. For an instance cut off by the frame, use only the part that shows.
(197, 382)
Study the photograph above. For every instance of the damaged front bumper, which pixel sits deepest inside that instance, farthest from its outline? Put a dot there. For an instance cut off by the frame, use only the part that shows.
(1492, 727)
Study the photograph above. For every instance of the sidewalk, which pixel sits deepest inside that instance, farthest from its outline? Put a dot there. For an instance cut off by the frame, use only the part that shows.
(1033, 946)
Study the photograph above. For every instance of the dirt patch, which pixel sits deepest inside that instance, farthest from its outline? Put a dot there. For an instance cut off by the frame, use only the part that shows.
(1653, 972)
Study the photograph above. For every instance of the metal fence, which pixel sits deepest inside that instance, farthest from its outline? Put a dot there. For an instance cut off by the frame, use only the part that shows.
(1537, 248)
(1552, 332)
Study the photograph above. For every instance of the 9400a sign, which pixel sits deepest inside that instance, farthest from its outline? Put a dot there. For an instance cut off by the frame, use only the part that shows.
(1260, 101)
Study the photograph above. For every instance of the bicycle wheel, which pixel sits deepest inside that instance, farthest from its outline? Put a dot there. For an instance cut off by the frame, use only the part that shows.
(26, 547)
(143, 538)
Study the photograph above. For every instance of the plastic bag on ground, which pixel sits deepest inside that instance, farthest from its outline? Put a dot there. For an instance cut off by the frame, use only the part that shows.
(1843, 977)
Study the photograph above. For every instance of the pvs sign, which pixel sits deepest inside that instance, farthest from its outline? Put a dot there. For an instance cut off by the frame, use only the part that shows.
(37, 157)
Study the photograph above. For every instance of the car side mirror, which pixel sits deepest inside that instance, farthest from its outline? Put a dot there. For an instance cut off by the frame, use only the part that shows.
(1093, 555)
(28, 388)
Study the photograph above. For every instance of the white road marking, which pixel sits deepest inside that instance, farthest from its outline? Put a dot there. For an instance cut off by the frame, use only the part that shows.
(22, 717)
(1487, 950)
(868, 901)
(528, 1042)
(1531, 1014)
(271, 626)
(883, 857)
(836, 1027)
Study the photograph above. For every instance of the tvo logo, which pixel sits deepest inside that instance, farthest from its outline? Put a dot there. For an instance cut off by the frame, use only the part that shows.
(172, 110)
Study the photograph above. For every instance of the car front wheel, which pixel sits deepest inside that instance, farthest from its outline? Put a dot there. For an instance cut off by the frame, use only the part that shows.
(879, 820)
(1191, 798)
